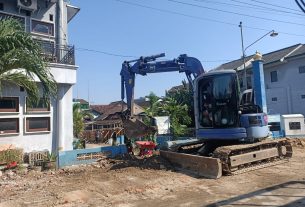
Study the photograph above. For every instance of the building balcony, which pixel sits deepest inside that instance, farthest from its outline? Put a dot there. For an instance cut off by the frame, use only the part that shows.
(62, 54)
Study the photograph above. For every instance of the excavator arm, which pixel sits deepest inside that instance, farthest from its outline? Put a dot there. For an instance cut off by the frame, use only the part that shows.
(144, 65)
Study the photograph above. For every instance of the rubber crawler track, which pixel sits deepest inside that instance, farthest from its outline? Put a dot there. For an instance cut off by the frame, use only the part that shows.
(225, 152)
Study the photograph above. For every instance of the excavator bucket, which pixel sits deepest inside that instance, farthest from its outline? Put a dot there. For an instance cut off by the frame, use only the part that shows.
(134, 128)
(202, 166)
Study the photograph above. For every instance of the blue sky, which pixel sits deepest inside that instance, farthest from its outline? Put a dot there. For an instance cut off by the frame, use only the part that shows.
(121, 28)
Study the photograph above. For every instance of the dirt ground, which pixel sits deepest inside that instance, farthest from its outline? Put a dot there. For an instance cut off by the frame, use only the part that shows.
(127, 182)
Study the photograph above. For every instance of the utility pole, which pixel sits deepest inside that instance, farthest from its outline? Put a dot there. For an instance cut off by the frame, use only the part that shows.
(244, 61)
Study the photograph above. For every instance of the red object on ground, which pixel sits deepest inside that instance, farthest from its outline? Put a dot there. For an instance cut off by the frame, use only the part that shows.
(146, 147)
(11, 165)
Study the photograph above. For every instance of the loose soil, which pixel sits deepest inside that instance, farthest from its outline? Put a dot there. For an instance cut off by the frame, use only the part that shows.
(130, 182)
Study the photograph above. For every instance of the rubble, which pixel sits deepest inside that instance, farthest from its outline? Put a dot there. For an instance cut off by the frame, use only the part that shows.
(297, 142)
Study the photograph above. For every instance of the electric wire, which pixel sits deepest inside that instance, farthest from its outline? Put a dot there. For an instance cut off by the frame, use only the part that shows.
(203, 19)
(106, 53)
(256, 7)
(236, 13)
(300, 6)
(133, 56)
(275, 5)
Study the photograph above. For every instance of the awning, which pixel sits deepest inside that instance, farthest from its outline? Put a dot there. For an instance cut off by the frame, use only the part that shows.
(71, 12)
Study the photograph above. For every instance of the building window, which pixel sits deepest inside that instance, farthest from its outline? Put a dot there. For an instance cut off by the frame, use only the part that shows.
(9, 104)
(38, 124)
(302, 69)
(274, 99)
(41, 106)
(51, 17)
(1, 7)
(273, 75)
(9, 126)
(42, 27)
(302, 96)
(18, 18)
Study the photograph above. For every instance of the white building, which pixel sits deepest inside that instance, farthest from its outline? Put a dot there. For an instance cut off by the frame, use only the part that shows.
(284, 72)
(43, 127)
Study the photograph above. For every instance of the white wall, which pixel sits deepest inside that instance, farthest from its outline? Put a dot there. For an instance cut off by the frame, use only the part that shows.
(41, 140)
(288, 89)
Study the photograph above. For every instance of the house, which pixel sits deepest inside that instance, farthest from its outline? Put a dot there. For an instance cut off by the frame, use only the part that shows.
(45, 127)
(108, 120)
(284, 73)
(84, 105)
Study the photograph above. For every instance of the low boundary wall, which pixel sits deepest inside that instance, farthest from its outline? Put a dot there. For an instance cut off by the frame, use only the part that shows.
(85, 156)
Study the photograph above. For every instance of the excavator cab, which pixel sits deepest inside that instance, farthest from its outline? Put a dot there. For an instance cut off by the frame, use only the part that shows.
(217, 109)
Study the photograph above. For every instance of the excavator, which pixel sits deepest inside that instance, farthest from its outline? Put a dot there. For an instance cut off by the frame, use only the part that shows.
(231, 127)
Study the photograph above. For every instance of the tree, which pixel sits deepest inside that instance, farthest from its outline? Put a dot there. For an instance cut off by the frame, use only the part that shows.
(183, 95)
(21, 62)
(178, 113)
(78, 120)
(154, 108)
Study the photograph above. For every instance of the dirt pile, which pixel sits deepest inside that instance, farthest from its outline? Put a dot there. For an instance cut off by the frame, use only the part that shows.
(297, 142)
(154, 162)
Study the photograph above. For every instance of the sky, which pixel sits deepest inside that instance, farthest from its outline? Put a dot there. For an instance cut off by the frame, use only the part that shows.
(107, 32)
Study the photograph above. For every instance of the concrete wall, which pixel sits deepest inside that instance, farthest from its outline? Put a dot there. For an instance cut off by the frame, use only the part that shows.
(61, 116)
(31, 141)
(288, 90)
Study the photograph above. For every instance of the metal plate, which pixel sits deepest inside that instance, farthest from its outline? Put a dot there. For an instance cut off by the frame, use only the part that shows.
(253, 156)
(202, 166)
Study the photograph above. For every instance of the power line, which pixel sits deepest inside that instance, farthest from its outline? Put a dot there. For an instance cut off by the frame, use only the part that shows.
(201, 18)
(236, 13)
(300, 6)
(176, 13)
(275, 5)
(256, 7)
(132, 56)
(106, 53)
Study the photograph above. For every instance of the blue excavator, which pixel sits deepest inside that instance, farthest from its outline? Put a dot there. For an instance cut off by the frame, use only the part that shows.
(231, 128)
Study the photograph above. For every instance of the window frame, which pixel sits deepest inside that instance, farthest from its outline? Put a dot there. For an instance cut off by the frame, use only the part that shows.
(10, 132)
(40, 33)
(8, 111)
(302, 69)
(15, 15)
(36, 110)
(27, 129)
(272, 77)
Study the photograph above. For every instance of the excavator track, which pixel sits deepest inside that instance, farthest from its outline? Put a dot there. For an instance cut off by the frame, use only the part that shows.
(238, 159)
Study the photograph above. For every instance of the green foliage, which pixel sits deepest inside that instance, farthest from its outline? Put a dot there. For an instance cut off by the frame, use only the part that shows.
(21, 62)
(183, 95)
(155, 105)
(78, 120)
(175, 105)
(11, 155)
(178, 114)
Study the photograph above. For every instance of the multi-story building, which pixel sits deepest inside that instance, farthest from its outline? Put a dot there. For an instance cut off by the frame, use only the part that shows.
(50, 126)
(284, 72)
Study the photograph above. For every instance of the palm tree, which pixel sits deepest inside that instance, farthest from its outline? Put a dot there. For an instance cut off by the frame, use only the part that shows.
(21, 62)
(154, 105)
(78, 119)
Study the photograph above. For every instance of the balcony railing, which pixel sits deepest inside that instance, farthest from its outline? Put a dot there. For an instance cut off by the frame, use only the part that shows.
(63, 54)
